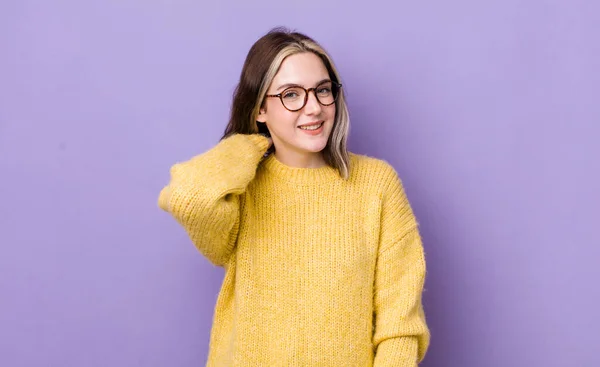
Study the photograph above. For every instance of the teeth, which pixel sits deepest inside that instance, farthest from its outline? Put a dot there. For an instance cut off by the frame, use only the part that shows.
(313, 127)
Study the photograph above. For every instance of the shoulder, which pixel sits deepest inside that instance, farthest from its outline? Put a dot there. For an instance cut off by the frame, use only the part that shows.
(378, 177)
(373, 171)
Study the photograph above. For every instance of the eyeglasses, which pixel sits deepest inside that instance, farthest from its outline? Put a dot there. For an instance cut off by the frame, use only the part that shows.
(295, 98)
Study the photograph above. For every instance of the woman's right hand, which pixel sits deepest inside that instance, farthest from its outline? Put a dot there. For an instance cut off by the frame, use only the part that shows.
(270, 142)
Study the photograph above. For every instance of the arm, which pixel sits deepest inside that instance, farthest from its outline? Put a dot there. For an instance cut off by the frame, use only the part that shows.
(203, 194)
(401, 335)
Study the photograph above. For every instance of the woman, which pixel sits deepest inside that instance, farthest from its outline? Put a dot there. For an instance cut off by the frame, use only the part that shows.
(324, 264)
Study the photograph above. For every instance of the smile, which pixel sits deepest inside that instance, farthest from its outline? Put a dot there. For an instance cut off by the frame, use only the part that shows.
(311, 127)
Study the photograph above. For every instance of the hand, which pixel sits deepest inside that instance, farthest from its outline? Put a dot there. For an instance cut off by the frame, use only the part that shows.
(268, 137)
(270, 144)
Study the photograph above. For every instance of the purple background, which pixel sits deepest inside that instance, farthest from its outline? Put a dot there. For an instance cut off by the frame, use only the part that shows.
(489, 110)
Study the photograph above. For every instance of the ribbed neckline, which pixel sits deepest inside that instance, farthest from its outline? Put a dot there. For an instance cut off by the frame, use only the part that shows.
(301, 176)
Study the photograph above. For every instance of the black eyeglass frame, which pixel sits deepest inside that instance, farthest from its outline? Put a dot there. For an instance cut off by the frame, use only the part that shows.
(306, 91)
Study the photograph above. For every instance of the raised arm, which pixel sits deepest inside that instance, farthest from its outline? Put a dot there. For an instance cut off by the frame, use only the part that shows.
(203, 194)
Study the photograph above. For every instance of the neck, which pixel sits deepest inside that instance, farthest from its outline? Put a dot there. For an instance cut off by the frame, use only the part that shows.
(301, 160)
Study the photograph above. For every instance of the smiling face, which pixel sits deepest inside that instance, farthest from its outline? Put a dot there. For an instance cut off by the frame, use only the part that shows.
(294, 135)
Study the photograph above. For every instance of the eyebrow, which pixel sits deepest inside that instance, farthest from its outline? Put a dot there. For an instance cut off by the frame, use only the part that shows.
(288, 85)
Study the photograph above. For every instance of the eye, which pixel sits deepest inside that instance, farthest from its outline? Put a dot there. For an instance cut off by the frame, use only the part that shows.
(324, 90)
(291, 94)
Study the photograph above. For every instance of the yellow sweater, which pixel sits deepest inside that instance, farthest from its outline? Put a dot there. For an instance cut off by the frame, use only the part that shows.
(319, 271)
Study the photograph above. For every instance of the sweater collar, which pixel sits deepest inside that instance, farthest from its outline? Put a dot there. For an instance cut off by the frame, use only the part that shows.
(306, 176)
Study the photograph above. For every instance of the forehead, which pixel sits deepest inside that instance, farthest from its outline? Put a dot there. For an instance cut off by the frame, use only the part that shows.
(304, 69)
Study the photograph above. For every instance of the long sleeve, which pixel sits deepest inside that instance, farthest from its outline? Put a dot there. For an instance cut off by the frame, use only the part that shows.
(203, 194)
(401, 334)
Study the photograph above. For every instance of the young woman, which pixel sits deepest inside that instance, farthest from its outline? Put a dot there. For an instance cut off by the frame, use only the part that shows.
(324, 264)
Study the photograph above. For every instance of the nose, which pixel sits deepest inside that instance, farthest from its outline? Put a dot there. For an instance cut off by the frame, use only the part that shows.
(313, 107)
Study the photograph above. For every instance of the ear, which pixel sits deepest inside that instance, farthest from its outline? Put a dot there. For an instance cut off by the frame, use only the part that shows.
(262, 115)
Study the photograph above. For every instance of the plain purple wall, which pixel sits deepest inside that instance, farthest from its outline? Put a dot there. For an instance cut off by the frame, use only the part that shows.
(489, 110)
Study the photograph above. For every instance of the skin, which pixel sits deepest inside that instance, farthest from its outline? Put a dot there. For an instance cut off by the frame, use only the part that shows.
(294, 147)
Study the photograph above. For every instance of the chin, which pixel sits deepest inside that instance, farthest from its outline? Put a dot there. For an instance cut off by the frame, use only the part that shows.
(315, 147)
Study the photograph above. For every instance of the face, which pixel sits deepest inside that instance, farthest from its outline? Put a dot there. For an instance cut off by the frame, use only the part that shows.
(289, 129)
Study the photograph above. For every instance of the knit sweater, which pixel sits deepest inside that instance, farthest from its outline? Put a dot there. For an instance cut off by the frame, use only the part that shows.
(319, 270)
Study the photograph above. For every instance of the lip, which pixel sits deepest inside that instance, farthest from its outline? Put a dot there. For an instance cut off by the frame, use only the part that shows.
(315, 132)
(312, 123)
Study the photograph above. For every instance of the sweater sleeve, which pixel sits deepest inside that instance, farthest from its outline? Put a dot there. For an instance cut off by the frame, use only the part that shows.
(401, 336)
(203, 194)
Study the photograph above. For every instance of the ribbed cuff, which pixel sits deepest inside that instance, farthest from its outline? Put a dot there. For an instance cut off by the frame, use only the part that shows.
(260, 141)
(397, 352)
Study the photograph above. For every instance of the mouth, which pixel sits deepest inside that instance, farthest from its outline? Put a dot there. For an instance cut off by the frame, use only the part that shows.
(312, 126)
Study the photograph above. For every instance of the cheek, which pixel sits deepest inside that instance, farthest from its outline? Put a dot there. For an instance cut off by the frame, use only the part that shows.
(280, 118)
